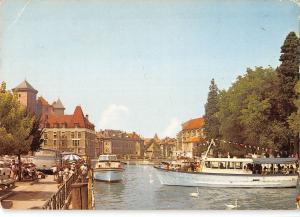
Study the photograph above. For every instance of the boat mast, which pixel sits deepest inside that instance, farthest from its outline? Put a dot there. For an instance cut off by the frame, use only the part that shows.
(212, 142)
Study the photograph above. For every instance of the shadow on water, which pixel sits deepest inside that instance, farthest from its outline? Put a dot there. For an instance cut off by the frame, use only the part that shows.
(141, 189)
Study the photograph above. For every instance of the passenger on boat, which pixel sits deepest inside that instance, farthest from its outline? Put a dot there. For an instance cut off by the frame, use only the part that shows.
(291, 170)
(265, 171)
(192, 166)
(222, 166)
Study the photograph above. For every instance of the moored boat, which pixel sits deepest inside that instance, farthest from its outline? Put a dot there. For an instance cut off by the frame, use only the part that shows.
(232, 172)
(108, 169)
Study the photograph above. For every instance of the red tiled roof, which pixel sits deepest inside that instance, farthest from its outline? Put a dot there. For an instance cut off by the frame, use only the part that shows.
(193, 124)
(77, 118)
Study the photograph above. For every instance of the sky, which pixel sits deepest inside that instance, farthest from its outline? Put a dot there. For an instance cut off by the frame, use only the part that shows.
(138, 65)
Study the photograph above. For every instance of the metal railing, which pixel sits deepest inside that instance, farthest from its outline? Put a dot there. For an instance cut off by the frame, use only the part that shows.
(61, 198)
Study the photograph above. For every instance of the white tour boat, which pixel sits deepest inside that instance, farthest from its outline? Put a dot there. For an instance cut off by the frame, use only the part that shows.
(108, 168)
(233, 172)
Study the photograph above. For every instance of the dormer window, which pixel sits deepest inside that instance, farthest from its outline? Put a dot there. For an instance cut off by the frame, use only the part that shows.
(76, 125)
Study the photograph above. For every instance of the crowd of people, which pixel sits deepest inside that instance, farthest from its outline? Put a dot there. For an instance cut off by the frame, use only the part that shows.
(67, 169)
(27, 171)
(23, 171)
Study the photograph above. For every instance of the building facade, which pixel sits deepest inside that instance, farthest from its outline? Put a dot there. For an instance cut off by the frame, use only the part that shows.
(156, 148)
(191, 136)
(71, 133)
(27, 96)
(123, 144)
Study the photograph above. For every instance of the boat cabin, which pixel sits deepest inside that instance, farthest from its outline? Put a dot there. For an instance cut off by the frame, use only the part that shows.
(263, 166)
(107, 158)
(226, 165)
(266, 166)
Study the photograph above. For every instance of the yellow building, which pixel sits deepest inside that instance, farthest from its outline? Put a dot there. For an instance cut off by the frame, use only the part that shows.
(191, 135)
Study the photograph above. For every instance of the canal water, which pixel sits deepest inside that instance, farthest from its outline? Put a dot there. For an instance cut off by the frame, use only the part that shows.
(141, 190)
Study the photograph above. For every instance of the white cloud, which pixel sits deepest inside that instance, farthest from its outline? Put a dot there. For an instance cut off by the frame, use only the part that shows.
(173, 128)
(113, 117)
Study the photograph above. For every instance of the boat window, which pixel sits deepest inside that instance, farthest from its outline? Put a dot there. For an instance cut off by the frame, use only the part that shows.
(238, 165)
(113, 157)
(108, 158)
(207, 164)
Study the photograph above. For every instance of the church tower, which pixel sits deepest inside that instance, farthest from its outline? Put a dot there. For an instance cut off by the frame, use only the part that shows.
(27, 96)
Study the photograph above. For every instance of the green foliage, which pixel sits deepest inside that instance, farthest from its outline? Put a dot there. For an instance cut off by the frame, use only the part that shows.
(211, 124)
(15, 125)
(246, 110)
(36, 134)
(262, 107)
(288, 73)
(294, 118)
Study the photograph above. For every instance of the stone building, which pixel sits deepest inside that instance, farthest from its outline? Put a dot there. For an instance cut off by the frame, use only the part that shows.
(72, 133)
(152, 148)
(156, 148)
(191, 136)
(123, 144)
(168, 146)
(26, 96)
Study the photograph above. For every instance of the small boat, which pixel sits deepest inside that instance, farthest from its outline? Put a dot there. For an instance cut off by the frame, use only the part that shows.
(108, 169)
(232, 173)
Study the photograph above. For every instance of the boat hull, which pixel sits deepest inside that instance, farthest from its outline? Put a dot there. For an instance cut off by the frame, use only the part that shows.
(108, 175)
(168, 177)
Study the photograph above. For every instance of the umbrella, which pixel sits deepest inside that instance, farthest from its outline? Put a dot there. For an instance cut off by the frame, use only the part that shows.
(71, 157)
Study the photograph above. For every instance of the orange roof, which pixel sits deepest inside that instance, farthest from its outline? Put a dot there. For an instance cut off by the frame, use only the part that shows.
(77, 118)
(193, 124)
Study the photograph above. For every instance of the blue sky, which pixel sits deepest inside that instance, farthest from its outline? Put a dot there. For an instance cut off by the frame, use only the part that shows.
(142, 66)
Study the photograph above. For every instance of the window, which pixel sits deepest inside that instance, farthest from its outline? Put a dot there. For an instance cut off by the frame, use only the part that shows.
(54, 142)
(76, 125)
(72, 135)
(45, 136)
(79, 135)
(54, 135)
(63, 134)
(45, 142)
(75, 143)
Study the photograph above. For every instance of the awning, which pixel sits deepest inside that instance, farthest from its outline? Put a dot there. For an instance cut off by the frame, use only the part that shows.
(274, 160)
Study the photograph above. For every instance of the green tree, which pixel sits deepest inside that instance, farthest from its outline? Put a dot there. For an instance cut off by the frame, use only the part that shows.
(211, 121)
(294, 118)
(246, 114)
(36, 133)
(15, 125)
(288, 74)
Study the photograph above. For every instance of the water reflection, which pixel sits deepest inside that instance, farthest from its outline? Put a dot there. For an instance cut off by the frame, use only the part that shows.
(141, 189)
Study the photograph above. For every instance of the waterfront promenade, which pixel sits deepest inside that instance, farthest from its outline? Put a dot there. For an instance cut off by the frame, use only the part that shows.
(31, 195)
